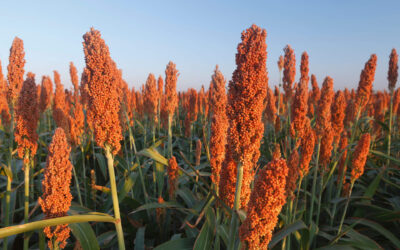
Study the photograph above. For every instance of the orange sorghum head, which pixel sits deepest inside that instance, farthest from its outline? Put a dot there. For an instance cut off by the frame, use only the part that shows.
(74, 79)
(326, 147)
(26, 119)
(151, 98)
(77, 124)
(266, 202)
(4, 108)
(59, 108)
(393, 69)
(338, 114)
(304, 69)
(15, 70)
(201, 100)
(293, 174)
(270, 107)
(323, 120)
(219, 124)
(103, 79)
(46, 94)
(342, 168)
(364, 89)
(198, 151)
(246, 95)
(171, 77)
(172, 177)
(160, 86)
(280, 63)
(56, 198)
(316, 93)
(299, 110)
(289, 71)
(306, 148)
(227, 182)
(396, 100)
(360, 157)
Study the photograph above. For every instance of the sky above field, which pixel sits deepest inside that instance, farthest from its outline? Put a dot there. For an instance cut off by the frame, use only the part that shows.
(143, 36)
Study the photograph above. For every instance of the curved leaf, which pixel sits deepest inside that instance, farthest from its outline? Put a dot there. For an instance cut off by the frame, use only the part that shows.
(85, 234)
(281, 234)
(181, 244)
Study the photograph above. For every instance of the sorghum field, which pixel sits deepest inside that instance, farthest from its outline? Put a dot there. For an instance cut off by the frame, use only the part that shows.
(246, 164)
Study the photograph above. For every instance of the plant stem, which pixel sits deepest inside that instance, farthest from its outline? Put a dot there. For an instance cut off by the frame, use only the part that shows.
(390, 128)
(314, 183)
(84, 172)
(236, 206)
(9, 180)
(114, 194)
(170, 135)
(26, 202)
(7, 212)
(77, 186)
(345, 208)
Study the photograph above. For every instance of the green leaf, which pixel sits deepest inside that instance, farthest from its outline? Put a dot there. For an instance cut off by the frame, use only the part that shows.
(223, 233)
(128, 184)
(281, 234)
(204, 240)
(106, 239)
(181, 244)
(384, 156)
(85, 234)
(6, 171)
(102, 163)
(380, 229)
(168, 204)
(360, 241)
(187, 196)
(336, 247)
(139, 240)
(153, 154)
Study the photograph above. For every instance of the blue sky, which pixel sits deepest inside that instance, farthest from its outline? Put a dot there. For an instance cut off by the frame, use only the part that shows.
(143, 36)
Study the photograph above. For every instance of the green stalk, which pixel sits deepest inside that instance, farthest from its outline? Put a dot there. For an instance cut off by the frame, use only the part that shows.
(26, 200)
(9, 180)
(114, 194)
(339, 189)
(345, 208)
(84, 172)
(297, 199)
(170, 135)
(17, 229)
(390, 128)
(236, 206)
(314, 183)
(77, 185)
(321, 186)
(7, 212)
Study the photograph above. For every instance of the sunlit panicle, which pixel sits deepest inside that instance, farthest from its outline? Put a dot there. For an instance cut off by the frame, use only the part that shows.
(338, 114)
(16, 70)
(364, 89)
(102, 79)
(393, 71)
(246, 97)
(289, 72)
(172, 177)
(219, 124)
(26, 119)
(266, 202)
(359, 157)
(56, 198)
